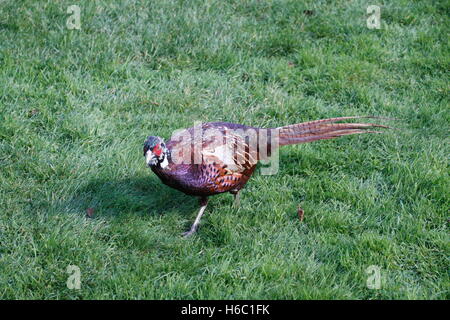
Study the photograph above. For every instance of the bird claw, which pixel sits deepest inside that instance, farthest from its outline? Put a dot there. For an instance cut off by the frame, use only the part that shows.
(188, 233)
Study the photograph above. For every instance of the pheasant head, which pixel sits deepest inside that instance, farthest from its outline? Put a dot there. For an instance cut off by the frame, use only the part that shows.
(155, 152)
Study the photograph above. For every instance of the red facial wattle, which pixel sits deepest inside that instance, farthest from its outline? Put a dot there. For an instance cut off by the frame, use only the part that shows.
(157, 150)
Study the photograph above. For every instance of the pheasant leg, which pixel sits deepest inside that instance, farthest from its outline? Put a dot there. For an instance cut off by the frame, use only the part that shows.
(237, 199)
(194, 227)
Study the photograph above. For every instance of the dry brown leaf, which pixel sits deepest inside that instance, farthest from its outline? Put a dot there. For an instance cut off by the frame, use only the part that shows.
(301, 214)
(90, 212)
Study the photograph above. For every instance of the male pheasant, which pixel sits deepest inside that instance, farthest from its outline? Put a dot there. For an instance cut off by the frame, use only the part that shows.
(216, 157)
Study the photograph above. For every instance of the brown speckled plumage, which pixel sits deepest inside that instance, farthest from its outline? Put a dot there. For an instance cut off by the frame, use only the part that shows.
(216, 166)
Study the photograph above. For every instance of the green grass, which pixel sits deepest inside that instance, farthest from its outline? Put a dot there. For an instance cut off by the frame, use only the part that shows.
(76, 106)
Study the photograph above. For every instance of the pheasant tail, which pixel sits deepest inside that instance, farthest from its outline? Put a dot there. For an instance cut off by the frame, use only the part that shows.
(324, 129)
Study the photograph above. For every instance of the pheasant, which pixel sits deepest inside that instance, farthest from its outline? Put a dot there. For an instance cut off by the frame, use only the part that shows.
(216, 157)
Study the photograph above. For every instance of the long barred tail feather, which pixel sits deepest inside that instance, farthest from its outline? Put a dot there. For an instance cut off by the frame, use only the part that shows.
(325, 129)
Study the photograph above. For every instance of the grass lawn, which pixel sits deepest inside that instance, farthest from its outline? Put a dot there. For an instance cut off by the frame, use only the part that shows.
(77, 105)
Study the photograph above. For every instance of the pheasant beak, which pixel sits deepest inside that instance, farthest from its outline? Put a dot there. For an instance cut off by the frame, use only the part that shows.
(151, 158)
